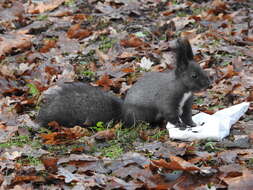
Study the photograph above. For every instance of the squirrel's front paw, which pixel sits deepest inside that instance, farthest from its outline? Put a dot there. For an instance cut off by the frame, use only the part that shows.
(181, 126)
(191, 124)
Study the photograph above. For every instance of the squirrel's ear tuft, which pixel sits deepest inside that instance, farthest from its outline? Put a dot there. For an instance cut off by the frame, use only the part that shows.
(181, 54)
(188, 49)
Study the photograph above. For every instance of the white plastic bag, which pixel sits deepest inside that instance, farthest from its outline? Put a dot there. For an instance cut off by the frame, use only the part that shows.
(213, 127)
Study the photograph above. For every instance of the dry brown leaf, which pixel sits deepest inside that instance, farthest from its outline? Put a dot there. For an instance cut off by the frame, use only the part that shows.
(250, 97)
(105, 135)
(62, 137)
(244, 182)
(50, 163)
(48, 44)
(249, 38)
(79, 131)
(41, 7)
(132, 41)
(76, 31)
(32, 178)
(190, 34)
(80, 17)
(127, 70)
(125, 55)
(105, 81)
(176, 163)
(219, 4)
(54, 125)
(230, 170)
(103, 58)
(51, 70)
(168, 13)
(230, 72)
(78, 149)
(14, 42)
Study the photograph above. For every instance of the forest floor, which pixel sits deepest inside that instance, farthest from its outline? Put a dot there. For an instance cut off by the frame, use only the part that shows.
(111, 43)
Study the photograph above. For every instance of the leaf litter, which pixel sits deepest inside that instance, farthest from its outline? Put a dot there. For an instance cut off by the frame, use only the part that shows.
(111, 44)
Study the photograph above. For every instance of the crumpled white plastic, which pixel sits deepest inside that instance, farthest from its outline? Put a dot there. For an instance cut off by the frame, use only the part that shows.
(213, 127)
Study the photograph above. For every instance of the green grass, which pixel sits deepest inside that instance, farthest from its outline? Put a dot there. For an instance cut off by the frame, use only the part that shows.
(106, 43)
(20, 141)
(197, 11)
(181, 14)
(29, 160)
(250, 163)
(33, 89)
(199, 101)
(58, 149)
(89, 74)
(209, 146)
(100, 126)
(102, 24)
(160, 133)
(16, 141)
(125, 137)
(113, 151)
(42, 17)
(70, 3)
(225, 63)
(216, 107)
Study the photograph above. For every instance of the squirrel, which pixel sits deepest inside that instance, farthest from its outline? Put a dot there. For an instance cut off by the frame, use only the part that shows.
(167, 96)
(78, 103)
(157, 97)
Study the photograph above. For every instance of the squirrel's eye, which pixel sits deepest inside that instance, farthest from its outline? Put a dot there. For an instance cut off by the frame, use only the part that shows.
(194, 75)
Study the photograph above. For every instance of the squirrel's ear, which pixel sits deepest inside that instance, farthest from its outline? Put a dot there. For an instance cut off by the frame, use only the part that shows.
(188, 49)
(181, 55)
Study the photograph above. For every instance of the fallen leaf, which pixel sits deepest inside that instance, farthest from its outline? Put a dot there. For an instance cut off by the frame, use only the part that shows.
(12, 155)
(76, 31)
(244, 182)
(105, 135)
(230, 72)
(80, 17)
(10, 43)
(231, 170)
(105, 81)
(127, 70)
(132, 41)
(125, 55)
(68, 176)
(43, 6)
(48, 44)
(176, 163)
(31, 178)
(50, 163)
(62, 137)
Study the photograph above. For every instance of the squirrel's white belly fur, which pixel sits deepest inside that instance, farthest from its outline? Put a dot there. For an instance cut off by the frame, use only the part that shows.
(182, 102)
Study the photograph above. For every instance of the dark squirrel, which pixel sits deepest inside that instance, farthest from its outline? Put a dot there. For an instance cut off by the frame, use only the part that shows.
(167, 96)
(78, 103)
(155, 98)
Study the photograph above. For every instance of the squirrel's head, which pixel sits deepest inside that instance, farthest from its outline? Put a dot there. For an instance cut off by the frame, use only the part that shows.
(187, 70)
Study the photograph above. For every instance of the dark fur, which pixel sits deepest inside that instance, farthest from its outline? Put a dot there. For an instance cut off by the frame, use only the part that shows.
(155, 97)
(79, 103)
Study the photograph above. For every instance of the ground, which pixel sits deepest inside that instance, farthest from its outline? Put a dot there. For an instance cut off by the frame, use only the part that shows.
(111, 43)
